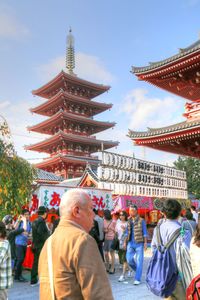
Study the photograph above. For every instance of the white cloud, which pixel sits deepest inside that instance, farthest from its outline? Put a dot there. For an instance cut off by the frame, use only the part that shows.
(92, 68)
(4, 104)
(143, 111)
(18, 118)
(87, 67)
(52, 68)
(10, 26)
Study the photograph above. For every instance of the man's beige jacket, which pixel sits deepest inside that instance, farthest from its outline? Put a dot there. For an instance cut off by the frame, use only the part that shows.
(79, 272)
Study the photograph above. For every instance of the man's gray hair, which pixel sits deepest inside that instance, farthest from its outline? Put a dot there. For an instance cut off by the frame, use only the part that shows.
(71, 198)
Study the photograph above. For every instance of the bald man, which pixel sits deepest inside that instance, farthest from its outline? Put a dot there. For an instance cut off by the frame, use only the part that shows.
(77, 271)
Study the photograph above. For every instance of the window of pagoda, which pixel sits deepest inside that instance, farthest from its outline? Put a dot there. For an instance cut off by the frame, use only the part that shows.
(77, 109)
(86, 149)
(78, 148)
(86, 131)
(64, 124)
(70, 147)
(77, 128)
(70, 168)
(82, 111)
(79, 170)
(70, 127)
(71, 107)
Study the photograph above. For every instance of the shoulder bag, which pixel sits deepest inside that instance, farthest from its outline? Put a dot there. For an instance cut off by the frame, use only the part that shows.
(50, 267)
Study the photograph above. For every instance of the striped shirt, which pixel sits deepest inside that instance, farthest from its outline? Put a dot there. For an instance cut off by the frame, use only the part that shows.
(5, 265)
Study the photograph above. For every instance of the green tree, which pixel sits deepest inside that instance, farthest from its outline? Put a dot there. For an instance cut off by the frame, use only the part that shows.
(192, 168)
(16, 177)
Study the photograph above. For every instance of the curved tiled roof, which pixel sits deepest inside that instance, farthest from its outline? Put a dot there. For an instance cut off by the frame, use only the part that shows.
(179, 127)
(154, 65)
(62, 115)
(59, 158)
(91, 171)
(60, 135)
(73, 182)
(52, 102)
(45, 176)
(74, 80)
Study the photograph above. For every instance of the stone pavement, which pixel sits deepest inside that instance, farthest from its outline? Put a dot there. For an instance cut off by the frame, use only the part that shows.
(121, 290)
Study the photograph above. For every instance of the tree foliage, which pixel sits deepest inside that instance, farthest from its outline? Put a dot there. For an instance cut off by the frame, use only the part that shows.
(16, 177)
(192, 168)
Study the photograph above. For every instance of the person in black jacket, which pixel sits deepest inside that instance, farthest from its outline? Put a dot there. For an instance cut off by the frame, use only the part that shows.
(40, 233)
(94, 231)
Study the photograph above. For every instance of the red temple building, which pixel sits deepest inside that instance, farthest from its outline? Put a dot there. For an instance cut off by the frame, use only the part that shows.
(180, 75)
(70, 108)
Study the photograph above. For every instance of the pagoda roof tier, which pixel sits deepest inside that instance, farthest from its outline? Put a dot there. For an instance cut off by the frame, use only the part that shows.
(60, 137)
(62, 118)
(178, 74)
(55, 103)
(70, 159)
(181, 138)
(72, 83)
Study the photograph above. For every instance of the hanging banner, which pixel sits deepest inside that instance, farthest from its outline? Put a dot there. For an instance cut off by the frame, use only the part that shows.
(50, 197)
(123, 202)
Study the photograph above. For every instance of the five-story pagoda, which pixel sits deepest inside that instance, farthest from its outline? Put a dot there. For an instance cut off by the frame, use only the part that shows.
(70, 124)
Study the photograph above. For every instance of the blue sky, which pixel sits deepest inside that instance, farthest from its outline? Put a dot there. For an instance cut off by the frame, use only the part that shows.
(110, 37)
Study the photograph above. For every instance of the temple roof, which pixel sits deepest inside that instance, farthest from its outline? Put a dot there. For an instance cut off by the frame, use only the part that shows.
(46, 107)
(175, 128)
(178, 74)
(183, 52)
(182, 138)
(60, 158)
(46, 177)
(46, 126)
(60, 136)
(63, 79)
(91, 172)
(72, 182)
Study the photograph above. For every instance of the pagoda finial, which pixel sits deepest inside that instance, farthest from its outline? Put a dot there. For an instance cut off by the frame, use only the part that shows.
(70, 60)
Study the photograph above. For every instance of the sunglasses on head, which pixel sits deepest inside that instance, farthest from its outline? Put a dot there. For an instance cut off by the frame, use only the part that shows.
(121, 214)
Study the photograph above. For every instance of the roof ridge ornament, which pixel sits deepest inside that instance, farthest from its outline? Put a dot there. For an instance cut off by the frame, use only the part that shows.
(70, 57)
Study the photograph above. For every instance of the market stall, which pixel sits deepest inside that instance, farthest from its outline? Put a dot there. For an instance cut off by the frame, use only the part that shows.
(149, 208)
(50, 197)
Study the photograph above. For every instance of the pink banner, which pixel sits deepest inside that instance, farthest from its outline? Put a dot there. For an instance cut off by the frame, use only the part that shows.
(196, 203)
(123, 202)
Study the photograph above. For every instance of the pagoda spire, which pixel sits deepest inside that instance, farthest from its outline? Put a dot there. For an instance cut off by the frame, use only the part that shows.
(70, 59)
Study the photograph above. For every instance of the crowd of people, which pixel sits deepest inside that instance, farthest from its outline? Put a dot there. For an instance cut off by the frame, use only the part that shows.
(74, 255)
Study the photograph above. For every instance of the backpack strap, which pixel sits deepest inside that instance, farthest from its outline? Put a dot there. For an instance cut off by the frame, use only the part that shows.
(158, 236)
(50, 267)
(175, 235)
(170, 242)
(190, 226)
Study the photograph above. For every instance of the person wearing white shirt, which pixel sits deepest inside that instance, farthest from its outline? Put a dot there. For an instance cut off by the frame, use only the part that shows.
(195, 214)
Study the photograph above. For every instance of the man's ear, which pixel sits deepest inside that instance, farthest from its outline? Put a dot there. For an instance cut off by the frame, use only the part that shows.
(76, 211)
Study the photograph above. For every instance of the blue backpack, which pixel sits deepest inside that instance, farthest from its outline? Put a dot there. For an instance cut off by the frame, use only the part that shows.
(162, 274)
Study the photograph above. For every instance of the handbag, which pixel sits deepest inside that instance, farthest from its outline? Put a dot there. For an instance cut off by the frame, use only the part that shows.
(115, 243)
